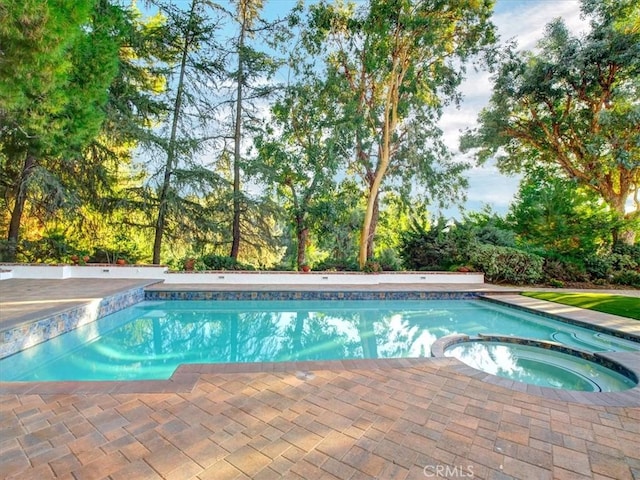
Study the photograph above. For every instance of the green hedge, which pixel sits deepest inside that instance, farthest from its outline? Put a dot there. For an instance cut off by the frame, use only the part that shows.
(507, 265)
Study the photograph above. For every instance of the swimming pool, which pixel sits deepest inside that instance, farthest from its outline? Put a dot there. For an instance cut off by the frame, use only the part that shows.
(545, 364)
(151, 339)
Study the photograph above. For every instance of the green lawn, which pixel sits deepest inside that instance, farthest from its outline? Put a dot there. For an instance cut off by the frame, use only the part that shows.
(601, 302)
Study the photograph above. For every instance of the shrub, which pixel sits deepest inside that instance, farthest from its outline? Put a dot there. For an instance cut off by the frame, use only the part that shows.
(604, 266)
(337, 265)
(389, 260)
(222, 262)
(52, 247)
(507, 265)
(7, 250)
(628, 277)
(563, 270)
(434, 249)
(372, 267)
(110, 255)
(598, 267)
(632, 251)
(496, 236)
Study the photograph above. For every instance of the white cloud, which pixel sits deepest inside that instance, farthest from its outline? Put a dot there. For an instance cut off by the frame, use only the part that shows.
(524, 21)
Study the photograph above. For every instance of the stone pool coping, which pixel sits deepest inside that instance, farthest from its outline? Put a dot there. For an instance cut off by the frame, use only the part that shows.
(186, 376)
(22, 332)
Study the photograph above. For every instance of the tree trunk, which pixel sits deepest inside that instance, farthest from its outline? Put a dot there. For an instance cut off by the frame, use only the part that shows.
(628, 237)
(303, 238)
(171, 149)
(621, 232)
(18, 207)
(374, 224)
(368, 226)
(384, 155)
(235, 244)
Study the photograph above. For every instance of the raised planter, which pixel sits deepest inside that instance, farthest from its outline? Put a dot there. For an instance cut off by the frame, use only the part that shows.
(46, 272)
(160, 272)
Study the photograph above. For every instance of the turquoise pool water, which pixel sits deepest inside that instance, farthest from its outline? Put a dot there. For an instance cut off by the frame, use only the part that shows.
(151, 339)
(539, 366)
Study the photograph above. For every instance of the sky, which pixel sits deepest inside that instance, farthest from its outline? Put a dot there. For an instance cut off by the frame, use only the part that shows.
(524, 21)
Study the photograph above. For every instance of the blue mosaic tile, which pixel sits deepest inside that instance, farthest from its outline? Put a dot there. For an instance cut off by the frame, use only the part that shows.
(19, 338)
(307, 295)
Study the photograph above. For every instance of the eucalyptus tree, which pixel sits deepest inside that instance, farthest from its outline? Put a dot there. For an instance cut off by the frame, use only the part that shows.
(193, 66)
(58, 60)
(573, 105)
(399, 62)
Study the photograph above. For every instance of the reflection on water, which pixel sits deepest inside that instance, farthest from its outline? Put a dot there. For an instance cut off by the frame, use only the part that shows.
(494, 359)
(158, 339)
(539, 366)
(151, 339)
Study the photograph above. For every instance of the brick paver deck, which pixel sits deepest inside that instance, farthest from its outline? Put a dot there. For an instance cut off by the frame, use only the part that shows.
(393, 419)
(413, 419)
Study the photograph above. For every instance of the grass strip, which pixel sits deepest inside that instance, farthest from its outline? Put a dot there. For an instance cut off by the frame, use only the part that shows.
(601, 302)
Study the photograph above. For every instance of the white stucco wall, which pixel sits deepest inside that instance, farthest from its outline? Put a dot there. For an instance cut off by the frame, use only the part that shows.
(235, 278)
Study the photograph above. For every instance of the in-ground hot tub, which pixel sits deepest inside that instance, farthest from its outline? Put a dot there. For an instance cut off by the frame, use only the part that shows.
(545, 364)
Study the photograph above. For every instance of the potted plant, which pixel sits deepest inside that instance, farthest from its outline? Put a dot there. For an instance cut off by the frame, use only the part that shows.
(305, 267)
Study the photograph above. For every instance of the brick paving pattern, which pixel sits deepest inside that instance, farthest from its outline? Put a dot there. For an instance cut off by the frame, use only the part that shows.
(393, 419)
(421, 419)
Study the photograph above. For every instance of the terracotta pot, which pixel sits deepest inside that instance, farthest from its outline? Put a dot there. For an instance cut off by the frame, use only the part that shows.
(121, 261)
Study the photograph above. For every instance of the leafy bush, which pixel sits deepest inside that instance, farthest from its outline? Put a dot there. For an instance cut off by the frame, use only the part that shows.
(556, 283)
(605, 266)
(433, 249)
(598, 267)
(507, 265)
(389, 260)
(563, 270)
(7, 250)
(628, 277)
(222, 262)
(372, 267)
(110, 255)
(632, 251)
(495, 236)
(337, 265)
(52, 247)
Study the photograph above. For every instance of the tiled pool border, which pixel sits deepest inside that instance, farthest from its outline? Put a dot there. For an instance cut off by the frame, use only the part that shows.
(241, 295)
(572, 321)
(16, 339)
